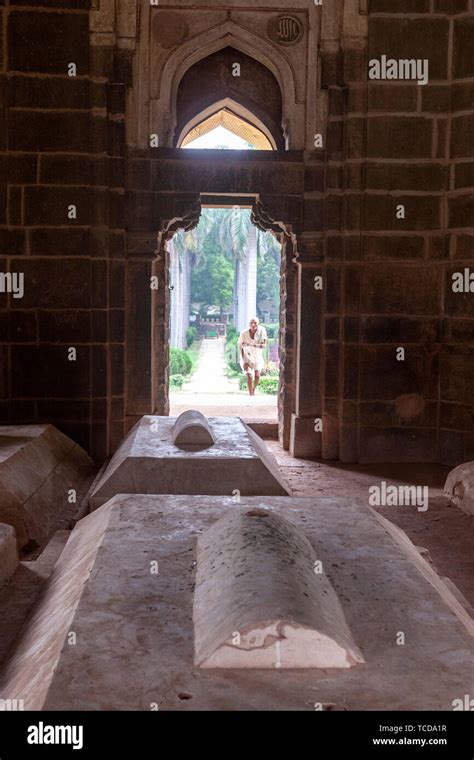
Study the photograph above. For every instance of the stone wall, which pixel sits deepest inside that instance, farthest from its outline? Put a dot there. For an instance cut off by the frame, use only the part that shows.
(392, 144)
(56, 138)
(47, 139)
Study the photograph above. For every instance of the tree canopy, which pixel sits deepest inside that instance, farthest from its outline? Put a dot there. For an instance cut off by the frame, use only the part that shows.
(220, 240)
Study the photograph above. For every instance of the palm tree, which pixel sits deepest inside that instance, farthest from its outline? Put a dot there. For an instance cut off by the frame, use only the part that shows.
(185, 250)
(238, 235)
(240, 241)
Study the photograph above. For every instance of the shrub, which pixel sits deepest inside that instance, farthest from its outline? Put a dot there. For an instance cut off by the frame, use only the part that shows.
(232, 353)
(269, 385)
(191, 335)
(180, 362)
(176, 381)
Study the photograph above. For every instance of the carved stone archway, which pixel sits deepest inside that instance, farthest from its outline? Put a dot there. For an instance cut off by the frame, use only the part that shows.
(165, 89)
(187, 217)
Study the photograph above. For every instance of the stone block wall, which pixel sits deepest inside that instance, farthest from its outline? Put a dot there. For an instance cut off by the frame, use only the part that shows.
(394, 144)
(61, 223)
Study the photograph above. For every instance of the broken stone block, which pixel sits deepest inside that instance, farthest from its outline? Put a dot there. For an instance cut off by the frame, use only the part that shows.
(191, 431)
(148, 461)
(39, 466)
(8, 553)
(459, 487)
(261, 601)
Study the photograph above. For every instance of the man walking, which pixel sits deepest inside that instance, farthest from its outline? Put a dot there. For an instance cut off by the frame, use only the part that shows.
(251, 345)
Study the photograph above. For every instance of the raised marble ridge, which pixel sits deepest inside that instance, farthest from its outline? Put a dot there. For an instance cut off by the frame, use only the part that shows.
(191, 430)
(263, 601)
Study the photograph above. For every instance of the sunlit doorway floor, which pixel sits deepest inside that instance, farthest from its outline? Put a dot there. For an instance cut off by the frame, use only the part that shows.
(211, 392)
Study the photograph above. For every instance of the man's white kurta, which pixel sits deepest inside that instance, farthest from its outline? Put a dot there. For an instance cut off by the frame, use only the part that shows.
(252, 348)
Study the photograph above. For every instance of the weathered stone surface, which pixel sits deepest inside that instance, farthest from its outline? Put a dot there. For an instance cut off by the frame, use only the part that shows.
(399, 330)
(397, 444)
(47, 286)
(436, 98)
(67, 35)
(103, 590)
(57, 92)
(400, 288)
(382, 247)
(58, 241)
(421, 212)
(463, 49)
(399, 137)
(390, 97)
(461, 136)
(461, 210)
(464, 247)
(46, 131)
(451, 6)
(38, 466)
(417, 374)
(148, 462)
(259, 601)
(401, 177)
(68, 4)
(401, 38)
(8, 553)
(399, 6)
(70, 170)
(464, 175)
(459, 487)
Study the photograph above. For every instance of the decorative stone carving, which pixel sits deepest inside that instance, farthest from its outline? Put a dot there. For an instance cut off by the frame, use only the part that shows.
(286, 30)
(187, 210)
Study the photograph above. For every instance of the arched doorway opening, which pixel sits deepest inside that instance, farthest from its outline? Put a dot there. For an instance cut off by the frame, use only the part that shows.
(224, 273)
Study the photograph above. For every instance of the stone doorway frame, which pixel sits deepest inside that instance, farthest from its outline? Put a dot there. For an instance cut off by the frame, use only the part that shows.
(161, 337)
(165, 195)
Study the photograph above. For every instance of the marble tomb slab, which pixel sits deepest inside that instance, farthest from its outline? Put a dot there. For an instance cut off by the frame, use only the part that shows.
(125, 584)
(148, 461)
